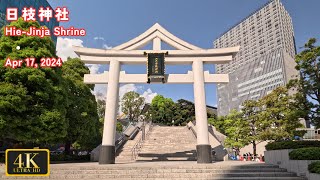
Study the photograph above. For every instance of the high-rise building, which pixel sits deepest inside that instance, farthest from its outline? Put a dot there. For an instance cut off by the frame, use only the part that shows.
(20, 4)
(265, 60)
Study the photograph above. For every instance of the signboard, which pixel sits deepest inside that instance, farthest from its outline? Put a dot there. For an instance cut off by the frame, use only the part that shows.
(156, 67)
(27, 162)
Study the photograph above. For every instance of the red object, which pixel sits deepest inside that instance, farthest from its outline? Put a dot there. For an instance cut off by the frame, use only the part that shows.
(241, 158)
(261, 159)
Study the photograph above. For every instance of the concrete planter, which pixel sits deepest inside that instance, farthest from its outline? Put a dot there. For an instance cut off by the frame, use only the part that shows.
(281, 158)
(278, 157)
(314, 176)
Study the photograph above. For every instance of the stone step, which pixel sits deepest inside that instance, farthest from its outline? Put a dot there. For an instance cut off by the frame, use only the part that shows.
(171, 143)
(155, 168)
(168, 144)
(171, 175)
(213, 178)
(165, 155)
(141, 159)
(166, 149)
(166, 170)
(219, 171)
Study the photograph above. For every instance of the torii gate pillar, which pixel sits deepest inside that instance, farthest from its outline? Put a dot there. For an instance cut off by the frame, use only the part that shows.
(107, 151)
(203, 145)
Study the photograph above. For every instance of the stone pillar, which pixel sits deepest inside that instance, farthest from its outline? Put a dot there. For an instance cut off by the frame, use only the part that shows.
(203, 145)
(107, 151)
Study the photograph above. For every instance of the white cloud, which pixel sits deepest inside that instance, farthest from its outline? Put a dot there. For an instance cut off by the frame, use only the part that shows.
(94, 68)
(100, 91)
(148, 95)
(105, 46)
(127, 88)
(99, 38)
(64, 47)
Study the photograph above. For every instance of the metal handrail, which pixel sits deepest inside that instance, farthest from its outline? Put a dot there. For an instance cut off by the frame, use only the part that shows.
(137, 147)
(120, 142)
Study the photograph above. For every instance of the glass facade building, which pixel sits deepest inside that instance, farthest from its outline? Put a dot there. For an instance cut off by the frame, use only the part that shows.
(265, 60)
(20, 4)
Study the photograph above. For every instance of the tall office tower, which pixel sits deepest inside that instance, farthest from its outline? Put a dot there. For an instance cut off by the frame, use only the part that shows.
(266, 57)
(20, 4)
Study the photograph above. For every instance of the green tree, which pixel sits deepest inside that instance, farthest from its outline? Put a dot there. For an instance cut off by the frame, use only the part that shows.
(278, 117)
(32, 100)
(237, 130)
(250, 112)
(101, 106)
(82, 115)
(184, 112)
(132, 104)
(119, 127)
(300, 101)
(162, 110)
(218, 123)
(308, 63)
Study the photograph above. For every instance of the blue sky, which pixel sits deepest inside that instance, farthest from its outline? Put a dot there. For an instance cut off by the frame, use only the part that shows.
(197, 22)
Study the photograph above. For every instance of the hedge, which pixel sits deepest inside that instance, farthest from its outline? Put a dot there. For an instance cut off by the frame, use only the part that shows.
(314, 167)
(2, 159)
(291, 145)
(311, 153)
(63, 157)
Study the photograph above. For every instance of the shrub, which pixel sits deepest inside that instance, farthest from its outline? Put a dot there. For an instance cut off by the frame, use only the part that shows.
(63, 157)
(311, 153)
(314, 167)
(291, 145)
(2, 159)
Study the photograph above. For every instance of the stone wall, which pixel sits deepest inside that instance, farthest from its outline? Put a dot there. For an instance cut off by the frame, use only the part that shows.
(281, 158)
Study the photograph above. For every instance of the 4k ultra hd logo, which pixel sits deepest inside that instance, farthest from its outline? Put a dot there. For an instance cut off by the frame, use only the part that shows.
(27, 162)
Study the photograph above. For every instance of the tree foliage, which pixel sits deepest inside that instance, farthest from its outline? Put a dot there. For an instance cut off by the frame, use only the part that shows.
(184, 112)
(165, 111)
(250, 112)
(274, 117)
(119, 127)
(237, 130)
(218, 123)
(82, 117)
(44, 105)
(101, 108)
(132, 104)
(278, 117)
(308, 63)
(32, 100)
(162, 110)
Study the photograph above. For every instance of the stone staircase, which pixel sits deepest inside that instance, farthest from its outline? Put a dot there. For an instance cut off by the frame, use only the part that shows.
(175, 148)
(169, 143)
(167, 170)
(124, 154)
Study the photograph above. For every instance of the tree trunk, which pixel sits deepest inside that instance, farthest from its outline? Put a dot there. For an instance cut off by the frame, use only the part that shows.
(67, 147)
(237, 151)
(254, 145)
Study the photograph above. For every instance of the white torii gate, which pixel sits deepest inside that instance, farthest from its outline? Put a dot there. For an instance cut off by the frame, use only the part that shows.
(129, 53)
